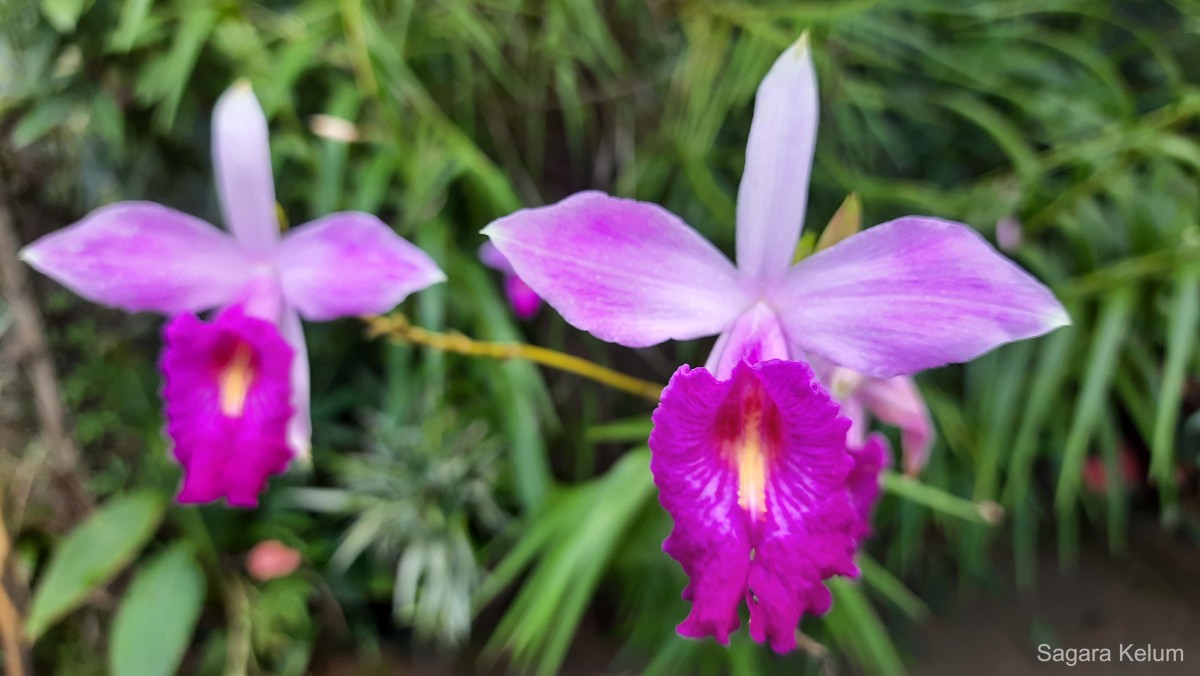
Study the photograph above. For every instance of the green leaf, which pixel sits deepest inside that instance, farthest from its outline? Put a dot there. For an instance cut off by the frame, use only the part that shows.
(64, 14)
(626, 430)
(1105, 353)
(574, 549)
(910, 489)
(845, 222)
(40, 120)
(891, 588)
(129, 27)
(856, 625)
(91, 555)
(1184, 322)
(154, 624)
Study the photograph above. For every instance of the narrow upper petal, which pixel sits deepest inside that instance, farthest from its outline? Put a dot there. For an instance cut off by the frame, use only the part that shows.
(911, 294)
(350, 263)
(299, 430)
(143, 256)
(897, 401)
(753, 471)
(629, 272)
(774, 190)
(242, 162)
(226, 386)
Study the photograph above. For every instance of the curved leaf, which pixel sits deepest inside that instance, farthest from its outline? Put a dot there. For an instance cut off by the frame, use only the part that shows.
(91, 555)
(154, 625)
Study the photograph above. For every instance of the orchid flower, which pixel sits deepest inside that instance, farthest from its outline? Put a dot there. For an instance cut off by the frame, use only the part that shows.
(236, 389)
(522, 299)
(748, 453)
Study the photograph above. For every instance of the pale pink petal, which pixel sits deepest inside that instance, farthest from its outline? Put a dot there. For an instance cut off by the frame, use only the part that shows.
(753, 471)
(242, 163)
(299, 432)
(262, 296)
(897, 401)
(491, 257)
(911, 294)
(350, 263)
(774, 190)
(143, 256)
(860, 424)
(755, 337)
(1009, 234)
(629, 272)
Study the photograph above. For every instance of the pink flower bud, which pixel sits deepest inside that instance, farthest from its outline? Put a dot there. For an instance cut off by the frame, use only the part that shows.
(270, 559)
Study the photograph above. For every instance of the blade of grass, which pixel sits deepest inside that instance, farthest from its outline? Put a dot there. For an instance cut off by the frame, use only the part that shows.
(1184, 329)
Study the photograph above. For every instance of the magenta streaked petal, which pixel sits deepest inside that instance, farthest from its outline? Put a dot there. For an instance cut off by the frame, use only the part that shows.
(491, 257)
(911, 294)
(897, 401)
(299, 433)
(242, 164)
(226, 386)
(773, 193)
(629, 272)
(870, 459)
(753, 471)
(141, 256)
(350, 263)
(755, 337)
(524, 301)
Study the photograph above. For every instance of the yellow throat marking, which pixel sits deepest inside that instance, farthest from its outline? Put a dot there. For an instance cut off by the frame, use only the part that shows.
(235, 380)
(752, 463)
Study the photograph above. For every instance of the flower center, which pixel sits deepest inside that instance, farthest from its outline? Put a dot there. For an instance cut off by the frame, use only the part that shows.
(843, 382)
(748, 446)
(235, 379)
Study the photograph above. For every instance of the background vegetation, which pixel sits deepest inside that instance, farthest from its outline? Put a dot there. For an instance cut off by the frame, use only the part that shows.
(494, 514)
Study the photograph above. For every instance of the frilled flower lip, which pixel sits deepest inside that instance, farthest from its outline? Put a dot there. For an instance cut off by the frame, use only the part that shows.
(227, 392)
(753, 471)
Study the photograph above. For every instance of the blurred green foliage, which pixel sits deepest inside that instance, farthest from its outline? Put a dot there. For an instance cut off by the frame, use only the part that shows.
(1078, 118)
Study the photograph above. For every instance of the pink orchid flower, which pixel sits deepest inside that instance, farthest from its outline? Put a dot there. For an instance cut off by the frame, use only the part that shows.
(236, 389)
(522, 299)
(749, 452)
